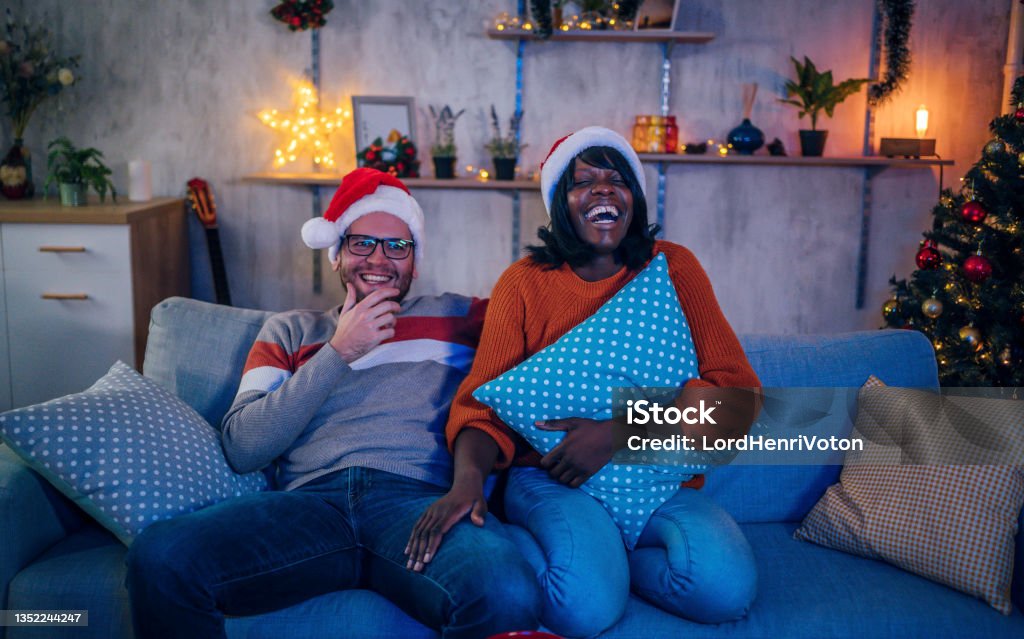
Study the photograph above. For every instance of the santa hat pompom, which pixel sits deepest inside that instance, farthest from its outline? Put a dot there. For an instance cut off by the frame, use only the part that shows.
(318, 233)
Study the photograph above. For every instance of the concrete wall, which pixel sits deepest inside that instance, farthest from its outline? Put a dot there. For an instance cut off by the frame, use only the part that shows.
(178, 83)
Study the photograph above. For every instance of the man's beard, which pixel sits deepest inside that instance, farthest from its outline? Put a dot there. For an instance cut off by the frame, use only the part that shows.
(402, 283)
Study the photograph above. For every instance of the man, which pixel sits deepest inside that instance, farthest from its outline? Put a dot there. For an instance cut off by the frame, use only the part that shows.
(350, 405)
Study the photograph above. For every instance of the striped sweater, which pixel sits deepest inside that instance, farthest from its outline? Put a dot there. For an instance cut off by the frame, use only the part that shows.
(302, 406)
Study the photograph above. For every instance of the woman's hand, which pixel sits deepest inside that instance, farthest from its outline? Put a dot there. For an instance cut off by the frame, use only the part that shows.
(463, 498)
(587, 446)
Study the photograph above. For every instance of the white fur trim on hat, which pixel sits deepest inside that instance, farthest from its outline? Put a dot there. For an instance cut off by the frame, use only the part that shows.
(319, 233)
(564, 152)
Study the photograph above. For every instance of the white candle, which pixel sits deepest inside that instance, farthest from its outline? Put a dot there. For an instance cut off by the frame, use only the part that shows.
(140, 181)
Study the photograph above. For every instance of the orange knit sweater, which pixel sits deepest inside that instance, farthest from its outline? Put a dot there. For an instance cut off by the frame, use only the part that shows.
(531, 308)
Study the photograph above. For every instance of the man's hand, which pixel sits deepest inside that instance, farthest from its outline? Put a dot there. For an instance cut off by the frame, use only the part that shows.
(438, 519)
(587, 446)
(361, 327)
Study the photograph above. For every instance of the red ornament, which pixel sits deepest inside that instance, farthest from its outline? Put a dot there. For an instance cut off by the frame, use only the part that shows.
(928, 256)
(977, 268)
(1019, 115)
(973, 212)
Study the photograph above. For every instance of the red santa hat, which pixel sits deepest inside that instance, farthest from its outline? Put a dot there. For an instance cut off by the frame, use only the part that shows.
(564, 150)
(362, 192)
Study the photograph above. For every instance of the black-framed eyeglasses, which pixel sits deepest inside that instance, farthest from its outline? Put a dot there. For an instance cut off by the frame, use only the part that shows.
(393, 247)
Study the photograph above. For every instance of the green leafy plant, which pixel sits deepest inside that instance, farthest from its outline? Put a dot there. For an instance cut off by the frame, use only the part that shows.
(444, 132)
(814, 91)
(67, 165)
(505, 146)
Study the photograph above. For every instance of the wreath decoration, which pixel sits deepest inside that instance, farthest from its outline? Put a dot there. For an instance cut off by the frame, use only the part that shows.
(397, 158)
(301, 15)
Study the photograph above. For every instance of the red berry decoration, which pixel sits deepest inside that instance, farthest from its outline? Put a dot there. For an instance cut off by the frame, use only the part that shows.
(1019, 115)
(977, 268)
(928, 256)
(973, 212)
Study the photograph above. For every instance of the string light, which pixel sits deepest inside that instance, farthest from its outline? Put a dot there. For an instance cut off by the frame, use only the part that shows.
(307, 129)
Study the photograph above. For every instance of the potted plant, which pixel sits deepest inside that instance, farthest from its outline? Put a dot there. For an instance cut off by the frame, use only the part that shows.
(505, 149)
(812, 92)
(443, 150)
(75, 170)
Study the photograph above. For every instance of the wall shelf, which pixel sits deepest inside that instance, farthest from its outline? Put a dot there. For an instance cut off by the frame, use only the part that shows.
(334, 179)
(796, 160)
(577, 35)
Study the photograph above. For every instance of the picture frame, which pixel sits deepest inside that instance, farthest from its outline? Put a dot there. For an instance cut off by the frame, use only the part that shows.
(375, 116)
(657, 15)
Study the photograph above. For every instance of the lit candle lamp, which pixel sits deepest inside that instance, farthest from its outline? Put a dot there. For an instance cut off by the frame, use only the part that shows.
(910, 147)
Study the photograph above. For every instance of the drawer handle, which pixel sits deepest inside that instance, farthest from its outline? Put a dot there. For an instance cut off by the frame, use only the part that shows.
(65, 296)
(62, 249)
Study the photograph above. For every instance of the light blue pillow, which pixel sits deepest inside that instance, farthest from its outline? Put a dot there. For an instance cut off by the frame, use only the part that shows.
(637, 339)
(127, 451)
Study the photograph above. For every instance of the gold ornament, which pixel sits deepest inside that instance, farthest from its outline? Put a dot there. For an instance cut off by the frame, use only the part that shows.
(1020, 159)
(994, 147)
(1004, 357)
(971, 336)
(931, 308)
(891, 308)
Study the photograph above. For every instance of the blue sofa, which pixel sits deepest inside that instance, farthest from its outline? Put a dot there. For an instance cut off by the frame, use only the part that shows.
(54, 557)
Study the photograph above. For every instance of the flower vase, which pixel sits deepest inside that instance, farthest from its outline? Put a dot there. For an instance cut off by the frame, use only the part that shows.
(16, 173)
(746, 138)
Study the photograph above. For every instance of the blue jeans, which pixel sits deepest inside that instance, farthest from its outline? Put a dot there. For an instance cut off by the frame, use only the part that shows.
(348, 529)
(692, 560)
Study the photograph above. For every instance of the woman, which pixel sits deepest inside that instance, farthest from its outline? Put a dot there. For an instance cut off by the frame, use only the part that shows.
(691, 559)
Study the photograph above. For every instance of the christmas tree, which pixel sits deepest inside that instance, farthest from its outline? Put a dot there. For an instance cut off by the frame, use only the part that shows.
(967, 294)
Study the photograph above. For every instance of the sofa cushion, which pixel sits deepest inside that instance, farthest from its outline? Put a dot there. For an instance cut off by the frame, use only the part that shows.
(838, 365)
(84, 571)
(809, 591)
(639, 338)
(197, 351)
(127, 451)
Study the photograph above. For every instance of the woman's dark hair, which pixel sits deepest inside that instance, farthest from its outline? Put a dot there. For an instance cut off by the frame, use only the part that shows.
(560, 242)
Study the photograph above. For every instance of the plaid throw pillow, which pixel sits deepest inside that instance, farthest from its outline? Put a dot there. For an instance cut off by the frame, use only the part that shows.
(952, 524)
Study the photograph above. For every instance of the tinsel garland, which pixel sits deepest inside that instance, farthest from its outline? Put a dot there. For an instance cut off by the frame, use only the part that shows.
(897, 15)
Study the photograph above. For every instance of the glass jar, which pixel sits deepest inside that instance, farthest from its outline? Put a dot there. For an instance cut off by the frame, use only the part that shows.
(671, 135)
(640, 126)
(656, 134)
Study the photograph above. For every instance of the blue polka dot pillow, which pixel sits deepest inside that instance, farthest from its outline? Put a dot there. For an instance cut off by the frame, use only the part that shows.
(637, 339)
(127, 451)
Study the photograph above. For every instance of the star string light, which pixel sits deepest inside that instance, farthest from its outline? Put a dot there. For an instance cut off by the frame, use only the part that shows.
(307, 129)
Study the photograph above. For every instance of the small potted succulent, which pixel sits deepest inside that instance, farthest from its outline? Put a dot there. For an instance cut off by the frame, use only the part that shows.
(75, 170)
(812, 92)
(504, 149)
(444, 151)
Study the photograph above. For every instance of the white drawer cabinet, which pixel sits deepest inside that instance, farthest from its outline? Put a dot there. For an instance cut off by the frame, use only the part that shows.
(77, 288)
